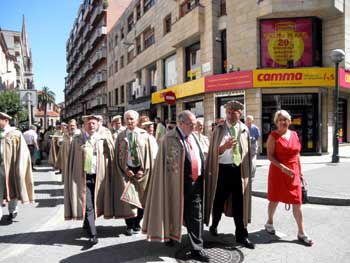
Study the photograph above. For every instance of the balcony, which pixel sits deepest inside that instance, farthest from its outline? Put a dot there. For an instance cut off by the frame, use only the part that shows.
(99, 32)
(87, 13)
(188, 34)
(87, 31)
(324, 8)
(98, 79)
(97, 12)
(98, 56)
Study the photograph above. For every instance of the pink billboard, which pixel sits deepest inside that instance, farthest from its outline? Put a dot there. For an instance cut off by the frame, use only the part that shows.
(287, 43)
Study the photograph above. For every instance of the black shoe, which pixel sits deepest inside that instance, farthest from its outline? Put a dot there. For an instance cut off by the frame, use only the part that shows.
(200, 255)
(213, 231)
(12, 216)
(129, 232)
(93, 240)
(136, 230)
(246, 242)
(169, 243)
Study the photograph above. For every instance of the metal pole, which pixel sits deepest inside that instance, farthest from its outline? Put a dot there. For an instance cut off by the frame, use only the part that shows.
(335, 156)
(169, 113)
(29, 103)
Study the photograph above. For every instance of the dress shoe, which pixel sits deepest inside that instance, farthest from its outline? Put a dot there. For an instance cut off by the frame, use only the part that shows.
(12, 216)
(137, 229)
(213, 231)
(93, 240)
(200, 255)
(129, 232)
(246, 242)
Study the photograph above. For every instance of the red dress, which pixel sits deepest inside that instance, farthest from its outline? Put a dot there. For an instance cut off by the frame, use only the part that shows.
(281, 187)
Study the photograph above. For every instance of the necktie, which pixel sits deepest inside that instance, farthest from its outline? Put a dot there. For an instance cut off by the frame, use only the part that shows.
(1, 137)
(133, 150)
(89, 150)
(194, 161)
(236, 153)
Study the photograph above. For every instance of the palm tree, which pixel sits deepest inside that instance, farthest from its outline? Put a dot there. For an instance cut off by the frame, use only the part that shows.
(45, 97)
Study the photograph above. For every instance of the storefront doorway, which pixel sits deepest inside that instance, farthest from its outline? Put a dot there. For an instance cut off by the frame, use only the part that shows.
(303, 109)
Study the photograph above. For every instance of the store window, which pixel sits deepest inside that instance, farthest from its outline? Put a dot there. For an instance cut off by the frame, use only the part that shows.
(221, 101)
(303, 109)
(196, 107)
(342, 123)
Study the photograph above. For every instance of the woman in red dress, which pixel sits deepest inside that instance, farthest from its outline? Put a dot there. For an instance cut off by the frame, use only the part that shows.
(284, 183)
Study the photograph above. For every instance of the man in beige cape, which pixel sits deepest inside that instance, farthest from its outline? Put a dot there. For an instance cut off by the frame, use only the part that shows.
(16, 180)
(134, 163)
(85, 184)
(64, 149)
(117, 126)
(175, 191)
(56, 138)
(228, 171)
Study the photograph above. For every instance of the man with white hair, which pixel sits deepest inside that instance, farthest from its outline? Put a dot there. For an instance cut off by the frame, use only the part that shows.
(134, 162)
(16, 179)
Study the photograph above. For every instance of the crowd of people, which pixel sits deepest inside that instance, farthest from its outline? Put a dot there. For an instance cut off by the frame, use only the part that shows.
(157, 177)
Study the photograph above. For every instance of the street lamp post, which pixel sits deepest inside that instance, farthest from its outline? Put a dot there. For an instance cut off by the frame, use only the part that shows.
(337, 56)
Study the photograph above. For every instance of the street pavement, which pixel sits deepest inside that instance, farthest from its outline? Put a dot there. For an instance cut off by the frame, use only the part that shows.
(39, 234)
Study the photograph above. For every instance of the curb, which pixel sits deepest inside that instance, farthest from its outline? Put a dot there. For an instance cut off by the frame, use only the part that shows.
(314, 199)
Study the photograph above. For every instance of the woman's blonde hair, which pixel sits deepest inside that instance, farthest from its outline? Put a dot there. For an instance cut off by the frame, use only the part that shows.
(282, 113)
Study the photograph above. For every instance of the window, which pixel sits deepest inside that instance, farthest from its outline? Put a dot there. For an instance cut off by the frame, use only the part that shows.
(223, 8)
(122, 94)
(131, 54)
(188, 6)
(122, 33)
(110, 98)
(122, 62)
(138, 45)
(148, 36)
(138, 11)
(170, 73)
(116, 96)
(147, 5)
(116, 66)
(193, 69)
(130, 22)
(167, 24)
(116, 40)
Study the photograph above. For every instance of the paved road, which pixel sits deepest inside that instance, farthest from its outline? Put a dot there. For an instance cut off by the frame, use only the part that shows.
(41, 235)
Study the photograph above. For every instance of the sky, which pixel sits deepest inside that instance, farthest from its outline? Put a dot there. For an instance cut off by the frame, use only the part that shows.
(48, 26)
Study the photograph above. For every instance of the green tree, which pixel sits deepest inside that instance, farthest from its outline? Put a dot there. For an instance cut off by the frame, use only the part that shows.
(10, 104)
(45, 97)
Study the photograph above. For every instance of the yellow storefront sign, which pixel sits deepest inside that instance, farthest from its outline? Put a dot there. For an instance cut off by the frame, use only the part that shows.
(298, 77)
(183, 90)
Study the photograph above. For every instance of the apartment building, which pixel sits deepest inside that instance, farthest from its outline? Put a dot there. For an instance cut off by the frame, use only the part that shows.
(86, 81)
(268, 54)
(16, 68)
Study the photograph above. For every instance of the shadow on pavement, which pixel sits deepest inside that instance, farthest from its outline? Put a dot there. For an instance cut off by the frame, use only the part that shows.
(52, 202)
(51, 192)
(47, 183)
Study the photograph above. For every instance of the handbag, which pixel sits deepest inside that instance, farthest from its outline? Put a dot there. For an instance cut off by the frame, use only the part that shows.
(304, 196)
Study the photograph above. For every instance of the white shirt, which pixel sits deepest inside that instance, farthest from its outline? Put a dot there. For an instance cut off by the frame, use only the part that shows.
(30, 137)
(227, 156)
(195, 149)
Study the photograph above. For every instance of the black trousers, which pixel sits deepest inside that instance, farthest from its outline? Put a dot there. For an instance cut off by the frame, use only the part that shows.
(134, 223)
(193, 215)
(90, 204)
(229, 182)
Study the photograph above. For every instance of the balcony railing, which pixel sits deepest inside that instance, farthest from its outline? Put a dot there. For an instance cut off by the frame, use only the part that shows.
(96, 12)
(98, 78)
(100, 54)
(99, 32)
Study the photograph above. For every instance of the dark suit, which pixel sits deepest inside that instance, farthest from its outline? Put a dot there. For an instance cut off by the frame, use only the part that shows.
(193, 193)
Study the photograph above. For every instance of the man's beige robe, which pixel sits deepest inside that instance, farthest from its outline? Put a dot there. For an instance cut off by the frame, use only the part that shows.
(75, 180)
(18, 168)
(130, 193)
(211, 172)
(163, 215)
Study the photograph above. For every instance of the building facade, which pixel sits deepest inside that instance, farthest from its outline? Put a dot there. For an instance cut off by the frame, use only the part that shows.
(86, 82)
(16, 67)
(268, 54)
